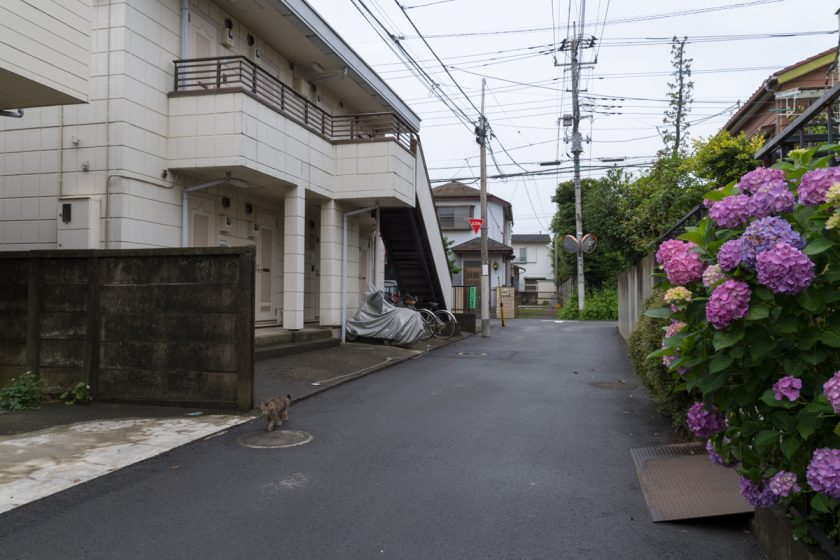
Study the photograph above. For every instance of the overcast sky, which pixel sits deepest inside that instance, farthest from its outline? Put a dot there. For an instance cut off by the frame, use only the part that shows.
(510, 42)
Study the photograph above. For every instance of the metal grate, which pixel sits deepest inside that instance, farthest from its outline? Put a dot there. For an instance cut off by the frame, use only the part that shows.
(681, 482)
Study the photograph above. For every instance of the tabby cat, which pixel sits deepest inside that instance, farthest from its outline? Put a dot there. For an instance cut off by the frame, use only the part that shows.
(276, 410)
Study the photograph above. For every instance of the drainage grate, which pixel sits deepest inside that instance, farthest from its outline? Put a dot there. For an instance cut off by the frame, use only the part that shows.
(274, 440)
(681, 482)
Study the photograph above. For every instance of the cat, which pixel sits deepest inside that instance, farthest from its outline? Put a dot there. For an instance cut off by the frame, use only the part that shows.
(276, 410)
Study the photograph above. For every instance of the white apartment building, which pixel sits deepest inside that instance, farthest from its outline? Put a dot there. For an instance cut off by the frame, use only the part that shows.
(223, 123)
(534, 259)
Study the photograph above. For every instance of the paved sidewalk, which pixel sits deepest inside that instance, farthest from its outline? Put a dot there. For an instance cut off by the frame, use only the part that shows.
(56, 447)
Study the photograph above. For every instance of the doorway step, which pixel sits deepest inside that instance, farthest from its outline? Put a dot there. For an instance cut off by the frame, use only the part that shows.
(273, 342)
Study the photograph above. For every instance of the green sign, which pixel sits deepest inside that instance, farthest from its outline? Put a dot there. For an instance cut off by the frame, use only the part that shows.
(472, 297)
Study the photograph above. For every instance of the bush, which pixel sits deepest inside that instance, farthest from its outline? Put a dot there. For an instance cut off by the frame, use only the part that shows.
(599, 305)
(755, 331)
(78, 394)
(22, 393)
(645, 339)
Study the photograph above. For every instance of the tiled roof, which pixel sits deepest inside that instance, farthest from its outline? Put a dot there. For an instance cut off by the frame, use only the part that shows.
(475, 245)
(530, 238)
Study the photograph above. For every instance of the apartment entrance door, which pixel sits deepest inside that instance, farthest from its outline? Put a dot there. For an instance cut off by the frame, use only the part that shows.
(264, 299)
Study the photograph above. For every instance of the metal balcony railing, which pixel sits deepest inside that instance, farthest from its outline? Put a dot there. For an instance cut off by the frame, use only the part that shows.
(229, 74)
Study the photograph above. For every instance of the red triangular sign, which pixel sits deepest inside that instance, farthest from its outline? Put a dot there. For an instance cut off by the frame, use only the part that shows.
(475, 223)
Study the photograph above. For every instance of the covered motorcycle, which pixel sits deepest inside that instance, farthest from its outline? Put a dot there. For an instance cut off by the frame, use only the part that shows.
(377, 318)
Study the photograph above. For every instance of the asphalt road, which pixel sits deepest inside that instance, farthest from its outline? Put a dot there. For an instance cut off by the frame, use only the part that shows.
(506, 453)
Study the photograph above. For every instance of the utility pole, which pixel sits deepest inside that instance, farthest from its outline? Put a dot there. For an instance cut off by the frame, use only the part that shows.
(577, 149)
(485, 260)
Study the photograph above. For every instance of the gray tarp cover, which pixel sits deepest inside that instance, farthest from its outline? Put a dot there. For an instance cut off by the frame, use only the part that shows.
(377, 318)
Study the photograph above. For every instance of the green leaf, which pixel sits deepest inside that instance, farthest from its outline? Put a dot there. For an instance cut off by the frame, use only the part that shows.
(790, 445)
(710, 383)
(820, 503)
(818, 245)
(761, 347)
(766, 438)
(758, 312)
(692, 235)
(808, 423)
(830, 338)
(769, 398)
(786, 324)
(815, 356)
(837, 429)
(719, 362)
(809, 301)
(725, 339)
(763, 293)
(659, 312)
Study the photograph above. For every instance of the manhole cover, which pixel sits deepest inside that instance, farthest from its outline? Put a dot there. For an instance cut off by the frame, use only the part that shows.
(276, 439)
(466, 354)
(620, 384)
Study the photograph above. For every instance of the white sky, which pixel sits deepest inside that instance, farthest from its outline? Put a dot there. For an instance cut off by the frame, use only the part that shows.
(524, 119)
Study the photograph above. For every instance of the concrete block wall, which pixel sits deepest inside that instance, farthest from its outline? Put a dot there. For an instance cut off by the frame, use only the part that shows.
(160, 326)
(635, 285)
(374, 170)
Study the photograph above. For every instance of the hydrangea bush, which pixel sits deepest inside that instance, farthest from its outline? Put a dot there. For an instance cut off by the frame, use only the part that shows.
(755, 332)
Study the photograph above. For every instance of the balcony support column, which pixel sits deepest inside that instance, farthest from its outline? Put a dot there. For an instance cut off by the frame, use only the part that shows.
(330, 287)
(294, 246)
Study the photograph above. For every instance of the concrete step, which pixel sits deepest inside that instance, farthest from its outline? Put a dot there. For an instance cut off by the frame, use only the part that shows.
(274, 336)
(289, 348)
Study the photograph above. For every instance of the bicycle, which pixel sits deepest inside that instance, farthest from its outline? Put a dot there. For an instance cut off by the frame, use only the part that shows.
(439, 323)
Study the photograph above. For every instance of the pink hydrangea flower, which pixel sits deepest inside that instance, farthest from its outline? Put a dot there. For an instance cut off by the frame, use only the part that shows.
(731, 211)
(831, 388)
(814, 185)
(702, 422)
(729, 301)
(784, 269)
(757, 178)
(823, 473)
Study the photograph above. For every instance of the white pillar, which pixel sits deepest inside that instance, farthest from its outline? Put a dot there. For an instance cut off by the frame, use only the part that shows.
(379, 265)
(294, 244)
(330, 288)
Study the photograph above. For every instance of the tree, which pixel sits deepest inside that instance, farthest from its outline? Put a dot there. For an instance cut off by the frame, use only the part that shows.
(602, 208)
(724, 158)
(447, 245)
(675, 128)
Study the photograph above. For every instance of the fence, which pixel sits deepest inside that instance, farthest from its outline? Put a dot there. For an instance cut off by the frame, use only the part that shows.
(167, 326)
(634, 287)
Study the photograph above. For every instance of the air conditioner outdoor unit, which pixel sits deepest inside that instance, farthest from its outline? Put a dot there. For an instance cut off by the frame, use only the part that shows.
(228, 38)
(225, 224)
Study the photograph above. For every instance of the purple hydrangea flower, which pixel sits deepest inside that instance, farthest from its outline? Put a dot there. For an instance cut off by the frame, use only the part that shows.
(684, 267)
(755, 179)
(729, 255)
(784, 269)
(814, 185)
(771, 198)
(732, 211)
(702, 422)
(763, 234)
(831, 388)
(716, 457)
(783, 484)
(712, 276)
(823, 472)
(787, 386)
(758, 495)
(728, 302)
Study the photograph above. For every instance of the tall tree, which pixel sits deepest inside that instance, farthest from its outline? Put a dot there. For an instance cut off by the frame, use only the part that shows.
(680, 91)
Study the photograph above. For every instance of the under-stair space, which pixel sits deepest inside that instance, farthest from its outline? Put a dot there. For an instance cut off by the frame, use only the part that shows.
(273, 342)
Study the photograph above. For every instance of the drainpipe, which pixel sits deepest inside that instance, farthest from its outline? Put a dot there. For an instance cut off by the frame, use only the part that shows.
(185, 29)
(375, 246)
(185, 207)
(344, 270)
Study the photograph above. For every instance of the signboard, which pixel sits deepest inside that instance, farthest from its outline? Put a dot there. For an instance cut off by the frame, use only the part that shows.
(475, 223)
(472, 297)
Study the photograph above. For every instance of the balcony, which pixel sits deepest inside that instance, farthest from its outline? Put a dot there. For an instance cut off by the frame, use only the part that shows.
(230, 74)
(229, 114)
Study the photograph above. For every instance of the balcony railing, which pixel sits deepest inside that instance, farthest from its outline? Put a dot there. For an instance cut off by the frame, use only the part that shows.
(238, 74)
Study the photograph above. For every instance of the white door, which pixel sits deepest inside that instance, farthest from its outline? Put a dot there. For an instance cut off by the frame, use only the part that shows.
(201, 222)
(312, 280)
(265, 277)
(204, 36)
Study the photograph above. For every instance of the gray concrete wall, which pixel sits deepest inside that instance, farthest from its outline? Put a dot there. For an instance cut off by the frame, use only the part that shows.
(170, 326)
(634, 287)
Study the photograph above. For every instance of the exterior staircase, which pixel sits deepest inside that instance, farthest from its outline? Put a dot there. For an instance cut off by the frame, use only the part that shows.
(273, 342)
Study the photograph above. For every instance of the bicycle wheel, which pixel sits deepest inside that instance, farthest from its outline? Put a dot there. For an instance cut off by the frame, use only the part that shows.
(448, 324)
(430, 324)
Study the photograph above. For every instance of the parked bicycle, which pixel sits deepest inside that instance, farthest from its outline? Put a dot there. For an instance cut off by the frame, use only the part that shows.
(439, 323)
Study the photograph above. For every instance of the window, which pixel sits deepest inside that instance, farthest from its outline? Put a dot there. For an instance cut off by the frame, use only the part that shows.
(530, 284)
(523, 254)
(454, 217)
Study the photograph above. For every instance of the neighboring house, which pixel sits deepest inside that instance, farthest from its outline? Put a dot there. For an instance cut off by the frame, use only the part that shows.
(533, 258)
(456, 203)
(785, 95)
(220, 124)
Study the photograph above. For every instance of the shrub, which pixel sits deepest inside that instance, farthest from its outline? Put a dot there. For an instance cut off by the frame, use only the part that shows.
(78, 394)
(22, 393)
(757, 337)
(599, 305)
(645, 339)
